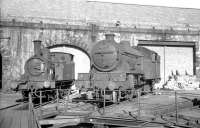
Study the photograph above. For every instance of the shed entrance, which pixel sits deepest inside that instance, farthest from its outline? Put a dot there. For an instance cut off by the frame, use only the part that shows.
(175, 56)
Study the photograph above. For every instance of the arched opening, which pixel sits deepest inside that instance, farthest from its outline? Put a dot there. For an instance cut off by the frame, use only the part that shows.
(81, 57)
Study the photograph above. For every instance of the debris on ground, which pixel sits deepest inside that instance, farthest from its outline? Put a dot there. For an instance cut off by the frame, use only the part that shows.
(181, 82)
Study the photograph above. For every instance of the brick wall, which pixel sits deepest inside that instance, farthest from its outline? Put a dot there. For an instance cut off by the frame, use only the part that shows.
(19, 47)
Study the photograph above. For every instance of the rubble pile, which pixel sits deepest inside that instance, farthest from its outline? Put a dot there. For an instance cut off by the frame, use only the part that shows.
(182, 82)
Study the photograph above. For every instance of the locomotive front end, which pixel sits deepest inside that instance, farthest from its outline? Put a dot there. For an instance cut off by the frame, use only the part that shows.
(38, 68)
(105, 54)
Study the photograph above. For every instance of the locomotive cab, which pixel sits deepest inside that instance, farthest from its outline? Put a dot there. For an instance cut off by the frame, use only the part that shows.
(150, 64)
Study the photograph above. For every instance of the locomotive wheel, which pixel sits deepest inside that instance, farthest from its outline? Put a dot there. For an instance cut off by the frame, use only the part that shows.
(62, 93)
(146, 89)
(25, 94)
(100, 126)
(50, 95)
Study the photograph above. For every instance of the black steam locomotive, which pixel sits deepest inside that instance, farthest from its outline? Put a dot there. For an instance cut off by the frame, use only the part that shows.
(46, 70)
(118, 66)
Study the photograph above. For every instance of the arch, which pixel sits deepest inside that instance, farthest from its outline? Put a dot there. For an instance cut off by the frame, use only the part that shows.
(81, 56)
(85, 49)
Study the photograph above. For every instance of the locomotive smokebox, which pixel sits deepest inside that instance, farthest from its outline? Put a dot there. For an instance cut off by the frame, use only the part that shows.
(37, 47)
(110, 36)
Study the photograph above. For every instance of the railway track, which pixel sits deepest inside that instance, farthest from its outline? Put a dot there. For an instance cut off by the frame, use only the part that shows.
(10, 106)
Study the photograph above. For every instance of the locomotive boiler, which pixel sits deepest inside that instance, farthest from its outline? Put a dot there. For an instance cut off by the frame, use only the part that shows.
(46, 70)
(118, 66)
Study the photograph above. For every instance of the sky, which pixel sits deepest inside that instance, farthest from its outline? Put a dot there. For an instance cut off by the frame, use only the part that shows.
(168, 3)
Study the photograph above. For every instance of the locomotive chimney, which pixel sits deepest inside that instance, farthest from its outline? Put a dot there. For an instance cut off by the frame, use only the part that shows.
(110, 36)
(37, 47)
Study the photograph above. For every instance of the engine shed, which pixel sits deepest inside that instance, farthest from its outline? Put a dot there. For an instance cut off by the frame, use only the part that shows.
(170, 31)
(69, 31)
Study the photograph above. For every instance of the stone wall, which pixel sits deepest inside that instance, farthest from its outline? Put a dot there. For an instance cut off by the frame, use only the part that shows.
(19, 47)
(138, 15)
(83, 23)
(83, 11)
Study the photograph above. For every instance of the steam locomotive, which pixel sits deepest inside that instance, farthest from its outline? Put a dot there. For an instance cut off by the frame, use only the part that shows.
(114, 66)
(46, 70)
(118, 66)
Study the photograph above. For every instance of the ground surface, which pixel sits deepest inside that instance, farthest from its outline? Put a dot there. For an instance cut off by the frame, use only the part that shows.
(152, 106)
(15, 115)
(12, 114)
